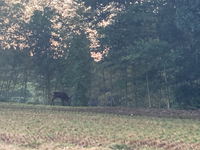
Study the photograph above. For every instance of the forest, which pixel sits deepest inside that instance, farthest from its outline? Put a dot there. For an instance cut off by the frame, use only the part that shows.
(130, 53)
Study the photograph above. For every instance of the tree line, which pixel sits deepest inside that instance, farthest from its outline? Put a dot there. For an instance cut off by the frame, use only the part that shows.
(149, 53)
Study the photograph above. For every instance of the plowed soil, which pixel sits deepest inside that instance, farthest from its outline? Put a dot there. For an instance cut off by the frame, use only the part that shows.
(45, 127)
(149, 112)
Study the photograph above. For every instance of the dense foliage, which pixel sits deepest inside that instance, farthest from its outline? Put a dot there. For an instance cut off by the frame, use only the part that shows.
(149, 50)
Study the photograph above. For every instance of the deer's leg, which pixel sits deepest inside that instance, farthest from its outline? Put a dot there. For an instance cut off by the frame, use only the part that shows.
(52, 101)
(66, 100)
(69, 102)
(63, 103)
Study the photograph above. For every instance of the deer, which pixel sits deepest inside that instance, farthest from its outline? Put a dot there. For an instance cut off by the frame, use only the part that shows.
(63, 96)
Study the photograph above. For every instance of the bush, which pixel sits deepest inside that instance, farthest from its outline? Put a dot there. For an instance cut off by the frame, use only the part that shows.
(187, 95)
(2, 98)
(18, 99)
(33, 101)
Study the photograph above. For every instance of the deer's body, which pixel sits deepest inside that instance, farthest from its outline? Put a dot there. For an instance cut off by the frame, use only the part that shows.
(63, 96)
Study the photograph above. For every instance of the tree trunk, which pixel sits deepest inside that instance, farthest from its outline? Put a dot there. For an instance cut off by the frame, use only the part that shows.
(48, 89)
(111, 85)
(126, 82)
(104, 86)
(148, 91)
(120, 91)
(2, 82)
(9, 83)
(160, 98)
(134, 82)
(25, 85)
(167, 88)
(160, 92)
(15, 79)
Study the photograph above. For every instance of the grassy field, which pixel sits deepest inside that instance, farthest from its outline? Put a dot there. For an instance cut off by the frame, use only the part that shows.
(40, 127)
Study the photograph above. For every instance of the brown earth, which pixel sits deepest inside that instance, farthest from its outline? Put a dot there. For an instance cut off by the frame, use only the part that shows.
(149, 112)
(18, 141)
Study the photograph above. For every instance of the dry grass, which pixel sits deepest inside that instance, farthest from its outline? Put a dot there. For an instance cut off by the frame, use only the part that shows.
(59, 129)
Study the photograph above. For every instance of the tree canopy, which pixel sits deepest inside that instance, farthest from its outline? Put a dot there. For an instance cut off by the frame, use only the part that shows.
(149, 52)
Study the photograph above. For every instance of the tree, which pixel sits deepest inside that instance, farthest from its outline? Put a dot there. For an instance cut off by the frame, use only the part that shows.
(12, 31)
(130, 27)
(42, 34)
(11, 24)
(80, 59)
(187, 77)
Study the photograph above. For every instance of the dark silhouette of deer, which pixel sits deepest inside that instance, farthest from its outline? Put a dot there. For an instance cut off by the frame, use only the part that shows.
(63, 96)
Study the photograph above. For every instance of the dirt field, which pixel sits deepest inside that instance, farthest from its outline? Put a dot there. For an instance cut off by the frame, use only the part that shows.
(150, 112)
(25, 127)
(169, 113)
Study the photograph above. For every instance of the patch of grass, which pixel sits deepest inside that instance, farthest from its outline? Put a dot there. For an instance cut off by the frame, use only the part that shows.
(119, 147)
